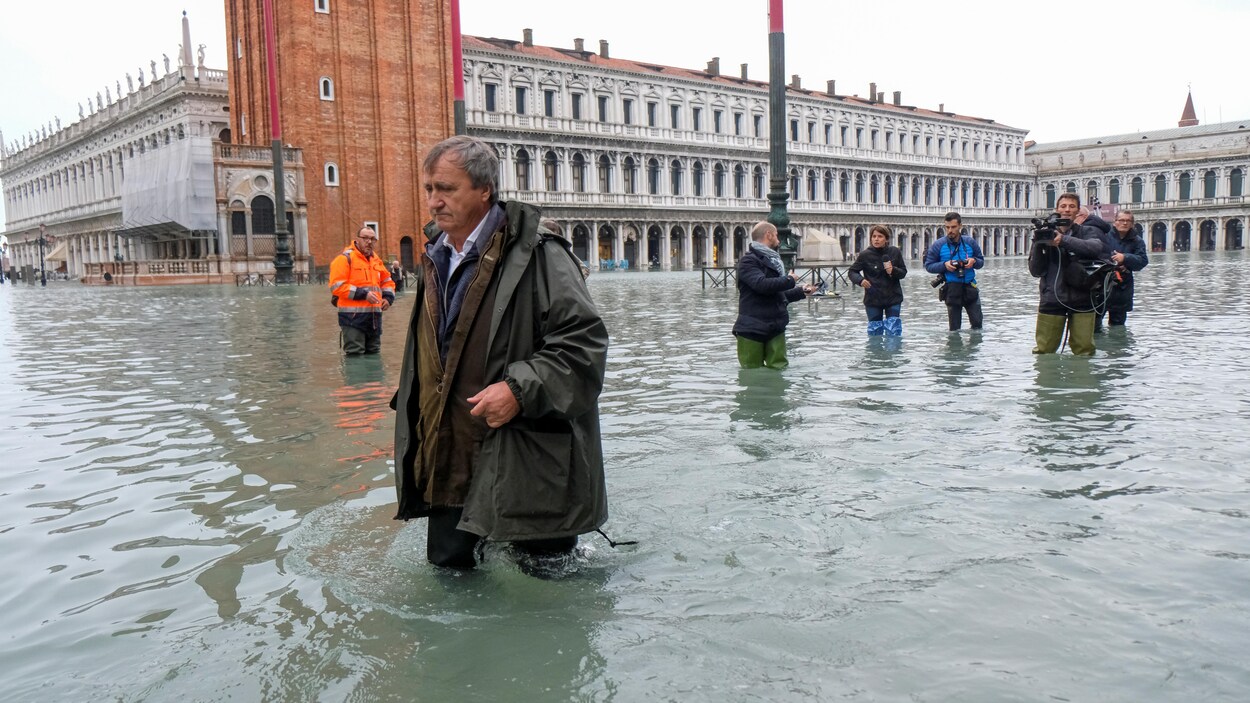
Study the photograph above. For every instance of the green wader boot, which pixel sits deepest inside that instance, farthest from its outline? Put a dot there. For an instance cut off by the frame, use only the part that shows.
(775, 352)
(753, 354)
(1050, 333)
(1081, 334)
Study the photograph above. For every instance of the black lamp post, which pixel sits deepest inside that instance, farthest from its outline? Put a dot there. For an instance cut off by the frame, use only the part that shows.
(777, 194)
(43, 276)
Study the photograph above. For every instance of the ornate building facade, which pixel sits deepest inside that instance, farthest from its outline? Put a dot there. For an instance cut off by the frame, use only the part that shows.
(137, 190)
(646, 165)
(1186, 185)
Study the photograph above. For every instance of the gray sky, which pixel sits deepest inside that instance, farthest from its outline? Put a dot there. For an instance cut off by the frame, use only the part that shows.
(1108, 67)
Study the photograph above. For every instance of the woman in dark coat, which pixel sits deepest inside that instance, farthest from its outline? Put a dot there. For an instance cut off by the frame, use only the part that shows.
(878, 270)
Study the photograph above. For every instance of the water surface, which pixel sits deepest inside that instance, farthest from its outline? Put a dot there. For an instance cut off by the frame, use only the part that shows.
(196, 504)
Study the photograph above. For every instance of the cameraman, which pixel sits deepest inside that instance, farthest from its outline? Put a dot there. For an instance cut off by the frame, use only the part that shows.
(956, 258)
(1128, 252)
(1063, 303)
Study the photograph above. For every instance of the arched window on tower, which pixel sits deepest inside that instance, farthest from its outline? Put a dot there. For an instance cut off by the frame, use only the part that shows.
(262, 215)
(326, 88)
(332, 173)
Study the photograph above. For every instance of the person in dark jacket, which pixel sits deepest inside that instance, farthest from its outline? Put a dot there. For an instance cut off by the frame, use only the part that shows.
(1128, 252)
(764, 291)
(1065, 302)
(497, 426)
(957, 257)
(879, 270)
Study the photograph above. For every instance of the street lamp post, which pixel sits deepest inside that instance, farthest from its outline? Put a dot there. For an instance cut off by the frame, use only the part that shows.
(43, 276)
(777, 194)
(282, 262)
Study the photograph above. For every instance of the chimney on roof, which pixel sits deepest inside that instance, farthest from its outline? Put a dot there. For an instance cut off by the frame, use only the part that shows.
(529, 37)
(881, 97)
(713, 66)
(579, 45)
(744, 72)
(829, 87)
(898, 97)
(872, 91)
(603, 48)
(941, 107)
(795, 82)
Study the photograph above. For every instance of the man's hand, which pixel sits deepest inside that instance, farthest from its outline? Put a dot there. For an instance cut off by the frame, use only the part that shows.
(1117, 257)
(889, 268)
(495, 404)
(865, 284)
(386, 304)
(950, 265)
(374, 298)
(1058, 239)
(970, 263)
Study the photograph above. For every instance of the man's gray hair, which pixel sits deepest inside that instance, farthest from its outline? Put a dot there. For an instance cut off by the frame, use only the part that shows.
(474, 156)
(761, 230)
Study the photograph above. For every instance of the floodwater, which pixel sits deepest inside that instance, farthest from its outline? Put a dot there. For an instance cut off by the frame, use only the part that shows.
(196, 505)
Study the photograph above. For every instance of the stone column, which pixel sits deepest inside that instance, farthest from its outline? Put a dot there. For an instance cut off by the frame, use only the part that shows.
(592, 246)
(618, 244)
(666, 244)
(643, 250)
(687, 248)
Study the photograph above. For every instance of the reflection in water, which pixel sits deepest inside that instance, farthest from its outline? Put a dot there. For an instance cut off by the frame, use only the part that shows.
(762, 401)
(197, 506)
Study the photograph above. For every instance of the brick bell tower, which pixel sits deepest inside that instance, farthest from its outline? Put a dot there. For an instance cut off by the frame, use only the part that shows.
(364, 89)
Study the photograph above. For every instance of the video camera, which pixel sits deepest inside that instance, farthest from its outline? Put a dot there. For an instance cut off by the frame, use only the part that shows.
(1046, 229)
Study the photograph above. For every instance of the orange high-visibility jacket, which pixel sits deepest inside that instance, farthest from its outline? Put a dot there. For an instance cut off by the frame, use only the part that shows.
(352, 277)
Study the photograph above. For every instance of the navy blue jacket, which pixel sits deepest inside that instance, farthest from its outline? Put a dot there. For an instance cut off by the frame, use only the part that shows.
(1135, 259)
(763, 295)
(886, 290)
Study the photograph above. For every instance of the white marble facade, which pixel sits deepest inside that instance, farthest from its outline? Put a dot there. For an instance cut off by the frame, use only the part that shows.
(670, 166)
(1185, 185)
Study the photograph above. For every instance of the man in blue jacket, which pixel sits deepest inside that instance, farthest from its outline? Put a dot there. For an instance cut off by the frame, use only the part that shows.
(1128, 251)
(764, 291)
(957, 257)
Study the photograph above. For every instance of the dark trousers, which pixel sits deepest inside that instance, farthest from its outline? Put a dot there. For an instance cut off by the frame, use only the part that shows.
(960, 297)
(448, 546)
(358, 341)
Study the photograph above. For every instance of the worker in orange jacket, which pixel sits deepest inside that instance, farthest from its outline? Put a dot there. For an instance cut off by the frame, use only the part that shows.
(362, 289)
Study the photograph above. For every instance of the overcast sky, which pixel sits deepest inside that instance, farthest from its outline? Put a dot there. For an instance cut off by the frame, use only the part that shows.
(1105, 67)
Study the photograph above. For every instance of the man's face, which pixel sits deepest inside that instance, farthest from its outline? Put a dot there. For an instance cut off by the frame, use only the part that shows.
(1123, 224)
(457, 207)
(1068, 209)
(877, 240)
(366, 238)
(953, 228)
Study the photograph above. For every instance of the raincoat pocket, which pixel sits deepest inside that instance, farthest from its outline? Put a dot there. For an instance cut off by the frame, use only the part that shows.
(533, 479)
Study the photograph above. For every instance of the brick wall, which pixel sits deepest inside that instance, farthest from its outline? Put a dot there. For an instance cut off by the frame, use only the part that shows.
(390, 62)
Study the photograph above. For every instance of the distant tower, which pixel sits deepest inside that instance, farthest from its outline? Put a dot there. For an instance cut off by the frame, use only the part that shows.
(1188, 118)
(365, 89)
